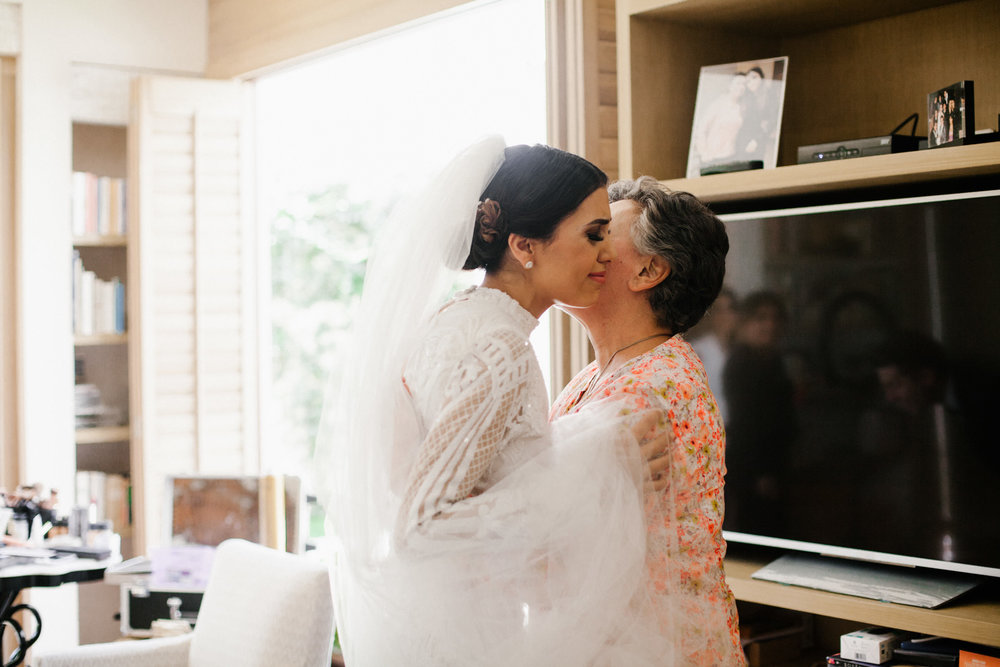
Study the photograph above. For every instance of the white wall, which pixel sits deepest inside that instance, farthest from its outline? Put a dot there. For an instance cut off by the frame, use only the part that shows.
(164, 35)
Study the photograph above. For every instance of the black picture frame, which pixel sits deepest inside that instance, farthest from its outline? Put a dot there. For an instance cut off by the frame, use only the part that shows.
(951, 115)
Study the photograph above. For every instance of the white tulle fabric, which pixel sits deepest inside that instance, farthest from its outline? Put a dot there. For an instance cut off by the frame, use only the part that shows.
(468, 530)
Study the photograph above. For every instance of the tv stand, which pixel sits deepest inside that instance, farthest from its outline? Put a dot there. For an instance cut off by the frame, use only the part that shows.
(913, 587)
(974, 618)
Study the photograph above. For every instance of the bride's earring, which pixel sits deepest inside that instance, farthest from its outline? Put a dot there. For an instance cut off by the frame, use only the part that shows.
(529, 264)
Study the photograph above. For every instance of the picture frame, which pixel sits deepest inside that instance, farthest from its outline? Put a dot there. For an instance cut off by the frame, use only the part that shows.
(951, 119)
(737, 116)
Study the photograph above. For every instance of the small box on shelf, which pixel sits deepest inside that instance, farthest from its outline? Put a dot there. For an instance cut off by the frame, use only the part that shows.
(874, 645)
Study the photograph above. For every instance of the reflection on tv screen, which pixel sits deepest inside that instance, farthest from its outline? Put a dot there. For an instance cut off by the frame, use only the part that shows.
(856, 357)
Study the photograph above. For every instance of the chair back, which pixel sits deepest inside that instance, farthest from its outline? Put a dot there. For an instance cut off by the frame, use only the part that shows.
(264, 607)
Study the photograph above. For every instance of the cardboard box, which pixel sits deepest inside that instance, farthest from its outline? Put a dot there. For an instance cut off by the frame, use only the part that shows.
(874, 645)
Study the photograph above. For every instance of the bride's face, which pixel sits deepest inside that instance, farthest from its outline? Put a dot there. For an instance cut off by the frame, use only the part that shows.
(570, 267)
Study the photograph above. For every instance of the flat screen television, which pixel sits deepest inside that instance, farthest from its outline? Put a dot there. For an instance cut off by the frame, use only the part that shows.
(862, 384)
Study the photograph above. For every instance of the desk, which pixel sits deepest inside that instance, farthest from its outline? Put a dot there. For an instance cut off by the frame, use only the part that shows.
(15, 578)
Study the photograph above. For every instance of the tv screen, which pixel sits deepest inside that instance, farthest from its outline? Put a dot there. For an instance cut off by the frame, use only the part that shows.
(857, 363)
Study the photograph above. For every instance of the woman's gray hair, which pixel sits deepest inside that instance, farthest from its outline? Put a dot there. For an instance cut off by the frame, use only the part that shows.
(680, 229)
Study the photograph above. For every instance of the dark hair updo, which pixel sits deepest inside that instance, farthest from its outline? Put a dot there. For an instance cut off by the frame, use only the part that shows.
(535, 188)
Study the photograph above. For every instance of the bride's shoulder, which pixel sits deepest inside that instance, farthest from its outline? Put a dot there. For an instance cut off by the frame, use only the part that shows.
(470, 327)
(484, 311)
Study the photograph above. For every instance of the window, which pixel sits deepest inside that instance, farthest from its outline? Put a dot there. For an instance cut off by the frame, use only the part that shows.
(339, 140)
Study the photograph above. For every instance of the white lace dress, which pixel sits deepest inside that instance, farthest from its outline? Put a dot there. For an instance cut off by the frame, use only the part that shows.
(480, 406)
(515, 542)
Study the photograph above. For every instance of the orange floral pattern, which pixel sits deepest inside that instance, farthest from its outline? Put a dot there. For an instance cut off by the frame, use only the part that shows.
(685, 547)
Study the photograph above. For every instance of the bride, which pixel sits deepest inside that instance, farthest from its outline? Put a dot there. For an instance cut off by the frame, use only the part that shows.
(468, 530)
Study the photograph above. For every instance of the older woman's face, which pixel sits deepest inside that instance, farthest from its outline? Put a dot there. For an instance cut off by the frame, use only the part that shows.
(624, 213)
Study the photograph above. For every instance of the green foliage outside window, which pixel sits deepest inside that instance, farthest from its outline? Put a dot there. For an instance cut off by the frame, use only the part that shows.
(319, 248)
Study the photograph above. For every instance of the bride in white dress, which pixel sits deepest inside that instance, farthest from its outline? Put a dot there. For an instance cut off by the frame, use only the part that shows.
(469, 530)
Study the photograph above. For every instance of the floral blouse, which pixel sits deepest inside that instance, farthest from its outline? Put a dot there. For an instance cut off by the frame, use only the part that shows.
(685, 547)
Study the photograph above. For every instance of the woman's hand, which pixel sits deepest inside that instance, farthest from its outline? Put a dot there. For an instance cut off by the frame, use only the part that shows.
(654, 443)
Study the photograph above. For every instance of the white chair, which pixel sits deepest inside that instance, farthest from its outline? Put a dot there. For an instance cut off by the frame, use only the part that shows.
(261, 607)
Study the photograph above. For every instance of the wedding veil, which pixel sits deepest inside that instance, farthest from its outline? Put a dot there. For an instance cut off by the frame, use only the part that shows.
(414, 260)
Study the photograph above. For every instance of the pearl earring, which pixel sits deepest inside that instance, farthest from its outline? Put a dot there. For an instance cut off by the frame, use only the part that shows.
(529, 264)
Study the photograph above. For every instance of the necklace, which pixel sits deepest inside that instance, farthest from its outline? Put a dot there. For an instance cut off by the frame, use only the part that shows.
(593, 380)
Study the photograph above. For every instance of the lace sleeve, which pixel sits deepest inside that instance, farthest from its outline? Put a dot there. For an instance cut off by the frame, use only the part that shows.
(482, 396)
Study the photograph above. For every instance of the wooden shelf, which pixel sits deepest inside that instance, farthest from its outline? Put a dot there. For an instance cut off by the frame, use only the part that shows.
(977, 620)
(775, 18)
(100, 241)
(100, 339)
(832, 92)
(912, 168)
(98, 435)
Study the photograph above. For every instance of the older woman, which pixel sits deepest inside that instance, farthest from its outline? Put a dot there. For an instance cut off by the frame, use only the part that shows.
(669, 266)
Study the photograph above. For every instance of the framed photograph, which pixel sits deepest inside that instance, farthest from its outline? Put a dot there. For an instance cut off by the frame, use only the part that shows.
(951, 119)
(737, 114)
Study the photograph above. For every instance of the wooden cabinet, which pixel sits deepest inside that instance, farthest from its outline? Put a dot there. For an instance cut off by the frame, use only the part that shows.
(975, 619)
(856, 69)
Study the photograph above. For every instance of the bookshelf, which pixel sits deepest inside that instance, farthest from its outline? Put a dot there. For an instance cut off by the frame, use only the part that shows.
(101, 434)
(100, 339)
(894, 173)
(856, 69)
(101, 348)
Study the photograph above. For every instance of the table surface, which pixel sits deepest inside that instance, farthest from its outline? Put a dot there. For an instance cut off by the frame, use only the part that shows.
(53, 572)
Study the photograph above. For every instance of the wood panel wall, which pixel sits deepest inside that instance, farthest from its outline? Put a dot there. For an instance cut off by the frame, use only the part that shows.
(246, 37)
(583, 119)
(9, 460)
(607, 89)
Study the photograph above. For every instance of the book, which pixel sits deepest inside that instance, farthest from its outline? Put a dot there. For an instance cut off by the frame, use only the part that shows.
(974, 659)
(98, 305)
(103, 205)
(837, 660)
(79, 203)
(98, 205)
(934, 651)
(927, 658)
(107, 494)
(119, 325)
